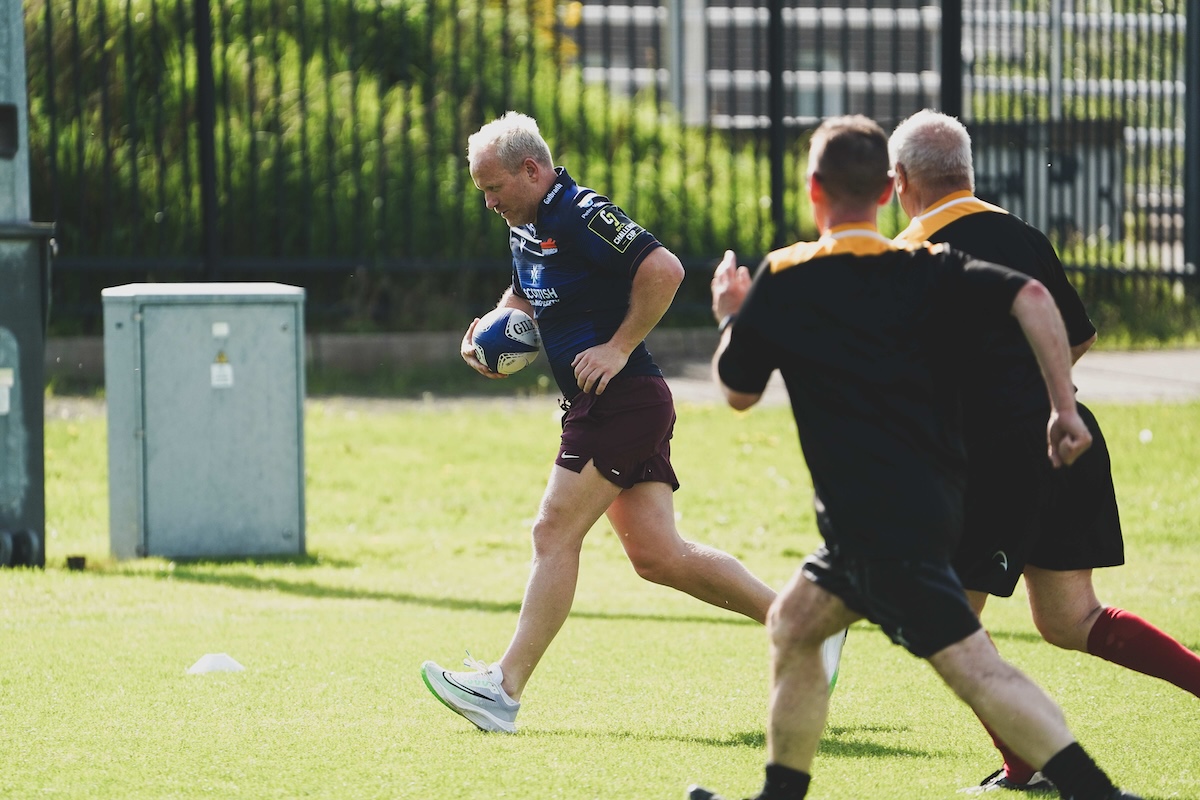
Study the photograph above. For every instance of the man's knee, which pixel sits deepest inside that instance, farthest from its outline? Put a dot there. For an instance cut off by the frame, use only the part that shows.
(804, 616)
(654, 565)
(969, 665)
(1064, 606)
(1066, 630)
(552, 537)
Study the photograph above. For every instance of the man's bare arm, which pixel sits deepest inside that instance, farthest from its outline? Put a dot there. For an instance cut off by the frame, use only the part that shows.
(658, 278)
(1035, 310)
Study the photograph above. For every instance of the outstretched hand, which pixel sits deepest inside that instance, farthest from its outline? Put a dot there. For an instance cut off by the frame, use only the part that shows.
(1068, 437)
(730, 285)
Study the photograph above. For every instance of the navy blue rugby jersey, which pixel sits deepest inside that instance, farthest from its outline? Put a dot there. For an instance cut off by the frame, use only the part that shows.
(575, 266)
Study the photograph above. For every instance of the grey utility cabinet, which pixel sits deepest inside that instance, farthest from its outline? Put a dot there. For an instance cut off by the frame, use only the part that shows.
(205, 392)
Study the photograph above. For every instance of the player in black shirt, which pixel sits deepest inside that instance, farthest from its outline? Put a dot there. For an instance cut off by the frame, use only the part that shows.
(1053, 526)
(865, 335)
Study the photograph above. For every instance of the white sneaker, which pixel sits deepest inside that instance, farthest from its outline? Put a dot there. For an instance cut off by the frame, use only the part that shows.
(475, 694)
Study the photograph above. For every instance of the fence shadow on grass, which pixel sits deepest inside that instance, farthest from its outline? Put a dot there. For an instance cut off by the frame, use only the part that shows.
(303, 561)
(838, 741)
(185, 570)
(1027, 637)
(848, 741)
(315, 589)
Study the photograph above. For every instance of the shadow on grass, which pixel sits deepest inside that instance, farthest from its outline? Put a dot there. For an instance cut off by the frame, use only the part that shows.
(314, 589)
(847, 741)
(1014, 636)
(185, 570)
(304, 561)
(839, 741)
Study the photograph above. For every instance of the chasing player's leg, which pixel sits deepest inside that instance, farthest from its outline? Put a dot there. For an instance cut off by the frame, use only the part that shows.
(1068, 614)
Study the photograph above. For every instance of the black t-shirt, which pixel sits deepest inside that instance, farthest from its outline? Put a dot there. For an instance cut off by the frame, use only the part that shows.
(868, 340)
(1001, 382)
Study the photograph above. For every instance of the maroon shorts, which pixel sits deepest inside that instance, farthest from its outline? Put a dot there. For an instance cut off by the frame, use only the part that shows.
(626, 432)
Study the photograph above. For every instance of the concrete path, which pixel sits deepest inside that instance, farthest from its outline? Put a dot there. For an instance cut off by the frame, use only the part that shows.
(1171, 376)
(1167, 376)
(1102, 376)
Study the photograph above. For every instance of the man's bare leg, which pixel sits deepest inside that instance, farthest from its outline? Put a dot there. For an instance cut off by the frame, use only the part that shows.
(570, 506)
(644, 520)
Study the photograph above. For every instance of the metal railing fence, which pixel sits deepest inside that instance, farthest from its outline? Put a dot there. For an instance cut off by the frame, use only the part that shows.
(321, 142)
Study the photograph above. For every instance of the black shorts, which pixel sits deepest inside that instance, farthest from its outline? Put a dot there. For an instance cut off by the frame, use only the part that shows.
(1082, 529)
(1009, 479)
(920, 605)
(1020, 510)
(626, 432)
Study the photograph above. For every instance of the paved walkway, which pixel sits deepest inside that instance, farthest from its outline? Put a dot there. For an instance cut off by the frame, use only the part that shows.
(1169, 376)
(1102, 376)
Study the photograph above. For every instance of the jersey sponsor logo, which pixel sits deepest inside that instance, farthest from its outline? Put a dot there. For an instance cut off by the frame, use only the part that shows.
(549, 247)
(613, 226)
(553, 193)
(539, 297)
(533, 293)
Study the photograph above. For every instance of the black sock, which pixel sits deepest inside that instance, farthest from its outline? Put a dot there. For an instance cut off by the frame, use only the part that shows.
(784, 783)
(1077, 776)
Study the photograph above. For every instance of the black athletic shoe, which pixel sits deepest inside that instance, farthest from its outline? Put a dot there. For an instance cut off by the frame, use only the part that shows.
(998, 780)
(695, 792)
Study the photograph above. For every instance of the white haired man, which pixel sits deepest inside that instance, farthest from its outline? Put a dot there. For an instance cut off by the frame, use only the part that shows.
(597, 283)
(1023, 518)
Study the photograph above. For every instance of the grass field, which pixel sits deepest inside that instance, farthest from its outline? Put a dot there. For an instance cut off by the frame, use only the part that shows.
(418, 520)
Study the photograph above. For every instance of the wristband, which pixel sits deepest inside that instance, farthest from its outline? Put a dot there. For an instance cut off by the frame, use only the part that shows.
(725, 322)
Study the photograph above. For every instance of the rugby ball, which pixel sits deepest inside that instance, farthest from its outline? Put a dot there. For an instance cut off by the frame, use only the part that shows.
(506, 340)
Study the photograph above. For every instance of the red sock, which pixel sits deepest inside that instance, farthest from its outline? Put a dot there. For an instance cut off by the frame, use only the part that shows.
(1016, 769)
(1128, 640)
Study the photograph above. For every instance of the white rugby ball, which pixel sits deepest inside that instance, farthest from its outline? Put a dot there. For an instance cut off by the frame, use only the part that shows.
(506, 340)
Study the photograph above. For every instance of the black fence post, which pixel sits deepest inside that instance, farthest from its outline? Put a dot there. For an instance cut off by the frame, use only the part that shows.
(775, 112)
(952, 65)
(206, 123)
(1191, 129)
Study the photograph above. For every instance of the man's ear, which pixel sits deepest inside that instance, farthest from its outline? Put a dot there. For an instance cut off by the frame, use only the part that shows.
(886, 195)
(816, 192)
